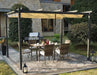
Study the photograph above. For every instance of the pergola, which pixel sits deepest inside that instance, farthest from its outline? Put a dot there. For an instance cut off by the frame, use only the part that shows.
(45, 15)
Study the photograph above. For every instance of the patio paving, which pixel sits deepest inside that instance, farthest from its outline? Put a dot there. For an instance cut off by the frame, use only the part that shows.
(73, 62)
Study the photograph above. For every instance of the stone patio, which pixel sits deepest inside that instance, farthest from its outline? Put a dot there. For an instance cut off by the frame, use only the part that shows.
(72, 62)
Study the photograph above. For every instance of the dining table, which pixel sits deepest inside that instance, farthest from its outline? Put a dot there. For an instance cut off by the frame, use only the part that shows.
(37, 47)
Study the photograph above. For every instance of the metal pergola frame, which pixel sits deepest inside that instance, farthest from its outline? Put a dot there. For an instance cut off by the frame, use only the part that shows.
(19, 11)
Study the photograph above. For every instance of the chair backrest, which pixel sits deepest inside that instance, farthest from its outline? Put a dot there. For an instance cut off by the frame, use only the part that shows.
(32, 41)
(49, 50)
(67, 41)
(64, 48)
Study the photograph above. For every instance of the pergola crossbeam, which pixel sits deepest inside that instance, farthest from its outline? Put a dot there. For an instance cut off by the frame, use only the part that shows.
(45, 15)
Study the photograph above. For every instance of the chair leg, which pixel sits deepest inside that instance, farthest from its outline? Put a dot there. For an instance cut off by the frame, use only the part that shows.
(36, 56)
(48, 57)
(31, 54)
(28, 55)
(62, 57)
(54, 55)
(58, 56)
(68, 55)
(39, 56)
(53, 58)
(45, 59)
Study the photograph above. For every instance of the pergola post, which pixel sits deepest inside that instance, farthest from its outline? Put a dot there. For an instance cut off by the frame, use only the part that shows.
(19, 35)
(61, 31)
(7, 52)
(55, 24)
(88, 39)
(55, 32)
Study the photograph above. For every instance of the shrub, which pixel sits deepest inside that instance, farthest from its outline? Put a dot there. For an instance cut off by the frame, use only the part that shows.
(57, 35)
(56, 38)
(85, 5)
(26, 25)
(79, 32)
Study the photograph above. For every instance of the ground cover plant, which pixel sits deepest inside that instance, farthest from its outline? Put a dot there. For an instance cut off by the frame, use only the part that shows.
(5, 69)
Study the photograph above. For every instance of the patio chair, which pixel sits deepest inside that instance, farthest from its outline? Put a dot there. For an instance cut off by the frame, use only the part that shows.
(32, 41)
(62, 50)
(67, 41)
(48, 51)
(26, 51)
(32, 47)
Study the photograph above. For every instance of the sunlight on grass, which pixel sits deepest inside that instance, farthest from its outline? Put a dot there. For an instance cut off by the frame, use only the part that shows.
(77, 51)
(5, 69)
(86, 72)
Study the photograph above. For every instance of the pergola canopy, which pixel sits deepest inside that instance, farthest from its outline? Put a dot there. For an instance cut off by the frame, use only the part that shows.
(46, 15)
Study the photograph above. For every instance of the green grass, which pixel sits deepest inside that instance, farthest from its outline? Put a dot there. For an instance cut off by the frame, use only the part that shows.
(5, 69)
(82, 49)
(13, 44)
(86, 72)
(77, 50)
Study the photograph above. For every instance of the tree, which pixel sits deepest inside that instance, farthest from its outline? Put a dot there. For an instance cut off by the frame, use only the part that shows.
(26, 25)
(79, 32)
(85, 5)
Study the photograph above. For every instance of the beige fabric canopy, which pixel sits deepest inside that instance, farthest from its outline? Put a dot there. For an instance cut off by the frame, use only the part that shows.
(46, 15)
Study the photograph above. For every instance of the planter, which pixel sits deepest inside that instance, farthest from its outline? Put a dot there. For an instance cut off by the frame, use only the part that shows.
(3, 50)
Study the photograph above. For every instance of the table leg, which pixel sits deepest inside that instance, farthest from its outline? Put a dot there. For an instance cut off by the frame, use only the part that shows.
(31, 54)
(36, 55)
(54, 54)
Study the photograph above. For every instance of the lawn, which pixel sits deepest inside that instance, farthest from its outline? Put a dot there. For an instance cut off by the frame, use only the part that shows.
(86, 72)
(13, 44)
(5, 69)
(82, 49)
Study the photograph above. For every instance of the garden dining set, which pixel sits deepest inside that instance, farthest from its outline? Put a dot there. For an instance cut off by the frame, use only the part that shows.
(47, 48)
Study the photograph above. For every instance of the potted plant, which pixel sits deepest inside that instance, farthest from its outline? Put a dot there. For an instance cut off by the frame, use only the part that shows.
(3, 45)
